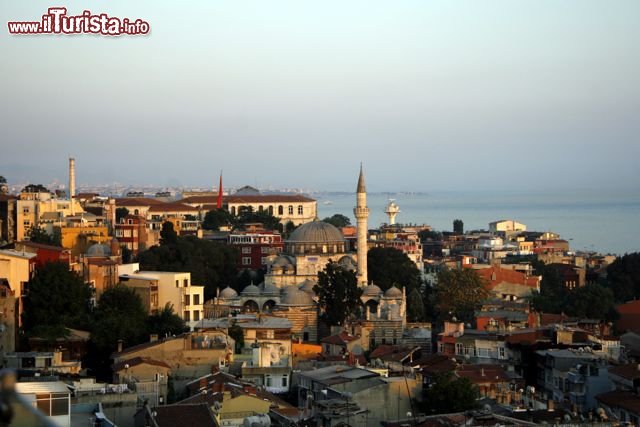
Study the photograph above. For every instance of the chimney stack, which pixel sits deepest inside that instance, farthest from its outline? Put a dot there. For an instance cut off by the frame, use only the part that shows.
(72, 183)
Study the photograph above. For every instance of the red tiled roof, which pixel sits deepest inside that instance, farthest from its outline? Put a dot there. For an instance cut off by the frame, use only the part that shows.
(503, 275)
(5, 197)
(621, 399)
(551, 318)
(138, 201)
(138, 361)
(339, 339)
(250, 198)
(630, 372)
(172, 207)
(42, 246)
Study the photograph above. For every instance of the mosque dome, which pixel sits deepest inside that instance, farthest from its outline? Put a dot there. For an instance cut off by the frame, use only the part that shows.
(316, 232)
(372, 290)
(282, 261)
(269, 289)
(99, 250)
(228, 293)
(297, 297)
(251, 290)
(307, 286)
(393, 292)
(347, 263)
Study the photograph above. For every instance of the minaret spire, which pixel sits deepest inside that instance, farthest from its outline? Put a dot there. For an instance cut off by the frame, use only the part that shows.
(219, 201)
(361, 212)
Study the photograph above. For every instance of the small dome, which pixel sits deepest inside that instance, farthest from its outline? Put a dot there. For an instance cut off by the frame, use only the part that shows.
(297, 297)
(99, 250)
(288, 289)
(347, 263)
(307, 286)
(228, 293)
(269, 289)
(393, 292)
(282, 261)
(251, 290)
(316, 232)
(372, 290)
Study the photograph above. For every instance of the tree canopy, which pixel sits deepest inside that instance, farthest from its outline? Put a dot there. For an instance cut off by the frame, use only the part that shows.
(35, 188)
(211, 264)
(553, 296)
(426, 235)
(458, 226)
(216, 218)
(166, 323)
(120, 315)
(248, 215)
(168, 235)
(38, 235)
(121, 212)
(57, 299)
(338, 220)
(338, 293)
(623, 277)
(459, 292)
(389, 266)
(415, 306)
(449, 394)
(591, 301)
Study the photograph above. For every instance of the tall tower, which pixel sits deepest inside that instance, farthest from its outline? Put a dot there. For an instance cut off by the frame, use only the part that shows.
(72, 183)
(361, 212)
(391, 211)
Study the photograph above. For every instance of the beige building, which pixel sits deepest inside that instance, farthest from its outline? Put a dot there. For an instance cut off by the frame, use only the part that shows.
(16, 270)
(32, 207)
(506, 225)
(159, 288)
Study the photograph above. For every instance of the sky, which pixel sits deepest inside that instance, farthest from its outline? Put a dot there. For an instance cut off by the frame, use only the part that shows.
(429, 95)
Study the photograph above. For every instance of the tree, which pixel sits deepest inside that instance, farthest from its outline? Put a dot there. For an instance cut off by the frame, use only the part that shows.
(338, 293)
(120, 315)
(553, 294)
(35, 188)
(127, 254)
(426, 235)
(121, 213)
(3, 180)
(166, 323)
(592, 301)
(216, 218)
(459, 292)
(235, 332)
(449, 394)
(458, 226)
(415, 306)
(38, 235)
(623, 277)
(338, 220)
(388, 266)
(211, 264)
(168, 236)
(248, 215)
(57, 299)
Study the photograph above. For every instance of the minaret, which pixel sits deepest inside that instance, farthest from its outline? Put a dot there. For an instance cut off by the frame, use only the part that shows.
(361, 212)
(72, 184)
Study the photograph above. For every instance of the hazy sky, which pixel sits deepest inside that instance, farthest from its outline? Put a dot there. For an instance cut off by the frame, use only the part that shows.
(430, 95)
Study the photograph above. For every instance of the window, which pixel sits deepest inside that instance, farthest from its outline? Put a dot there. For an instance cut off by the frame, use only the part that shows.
(246, 249)
(263, 260)
(196, 315)
(246, 260)
(284, 381)
(290, 210)
(501, 352)
(264, 249)
(260, 208)
(305, 336)
(187, 299)
(280, 210)
(270, 334)
(459, 348)
(270, 210)
(185, 282)
(177, 283)
(268, 381)
(300, 210)
(196, 300)
(187, 317)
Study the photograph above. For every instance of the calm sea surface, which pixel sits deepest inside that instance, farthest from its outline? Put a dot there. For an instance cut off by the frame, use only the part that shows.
(607, 222)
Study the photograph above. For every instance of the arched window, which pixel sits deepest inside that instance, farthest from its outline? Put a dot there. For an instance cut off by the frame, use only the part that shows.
(300, 210)
(260, 208)
(136, 212)
(233, 210)
(280, 210)
(270, 210)
(290, 210)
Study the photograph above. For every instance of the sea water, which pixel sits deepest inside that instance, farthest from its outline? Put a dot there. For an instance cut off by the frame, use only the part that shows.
(603, 221)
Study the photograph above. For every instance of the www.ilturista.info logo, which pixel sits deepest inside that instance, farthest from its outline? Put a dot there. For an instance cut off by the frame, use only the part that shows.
(56, 21)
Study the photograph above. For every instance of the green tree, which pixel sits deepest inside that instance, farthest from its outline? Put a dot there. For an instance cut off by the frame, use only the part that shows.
(3, 180)
(168, 236)
(458, 226)
(216, 218)
(121, 213)
(338, 293)
(592, 301)
(35, 188)
(235, 332)
(166, 323)
(459, 293)
(127, 254)
(57, 299)
(623, 277)
(388, 266)
(120, 315)
(338, 220)
(426, 235)
(211, 264)
(248, 216)
(553, 295)
(38, 235)
(415, 306)
(449, 394)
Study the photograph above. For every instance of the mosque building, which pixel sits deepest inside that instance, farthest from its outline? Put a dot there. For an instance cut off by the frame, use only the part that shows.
(291, 276)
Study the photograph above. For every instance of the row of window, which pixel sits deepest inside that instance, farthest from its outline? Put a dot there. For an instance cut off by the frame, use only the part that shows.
(196, 299)
(290, 210)
(187, 316)
(247, 260)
